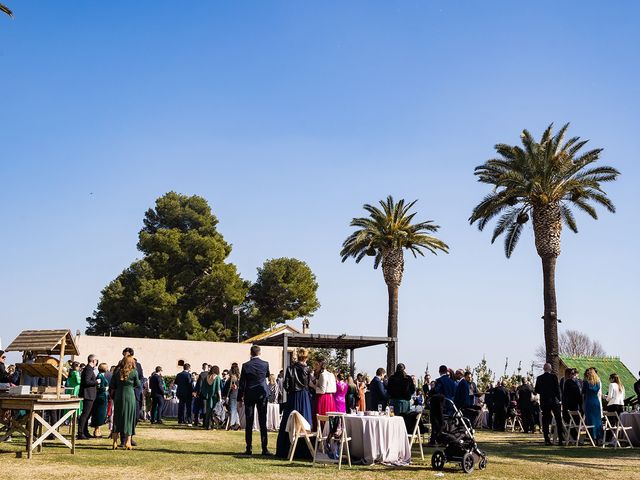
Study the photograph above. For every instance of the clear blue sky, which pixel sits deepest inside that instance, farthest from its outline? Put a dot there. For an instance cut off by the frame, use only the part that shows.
(287, 117)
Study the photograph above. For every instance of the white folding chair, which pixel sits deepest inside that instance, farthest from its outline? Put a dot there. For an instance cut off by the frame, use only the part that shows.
(300, 430)
(613, 424)
(322, 439)
(416, 436)
(581, 427)
(553, 427)
(513, 423)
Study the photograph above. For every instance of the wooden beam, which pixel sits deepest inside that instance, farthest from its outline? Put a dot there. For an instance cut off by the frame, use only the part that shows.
(62, 345)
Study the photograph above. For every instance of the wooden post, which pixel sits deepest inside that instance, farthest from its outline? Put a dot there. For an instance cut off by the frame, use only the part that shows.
(285, 360)
(31, 431)
(62, 345)
(352, 363)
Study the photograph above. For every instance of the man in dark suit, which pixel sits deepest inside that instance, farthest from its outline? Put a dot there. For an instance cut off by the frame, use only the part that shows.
(636, 387)
(184, 392)
(158, 390)
(500, 405)
(549, 390)
(254, 392)
(378, 392)
(88, 382)
(198, 401)
(445, 388)
(571, 398)
(525, 405)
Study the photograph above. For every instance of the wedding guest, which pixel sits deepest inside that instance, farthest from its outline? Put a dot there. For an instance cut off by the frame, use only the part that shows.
(571, 399)
(500, 406)
(88, 391)
(273, 389)
(252, 390)
(362, 390)
(158, 391)
(296, 383)
(230, 393)
(210, 392)
(352, 394)
(325, 388)
(615, 397)
(548, 388)
(198, 409)
(378, 392)
(340, 397)
(125, 403)
(636, 387)
(184, 393)
(525, 405)
(99, 411)
(591, 391)
(4, 377)
(462, 397)
(400, 388)
(443, 389)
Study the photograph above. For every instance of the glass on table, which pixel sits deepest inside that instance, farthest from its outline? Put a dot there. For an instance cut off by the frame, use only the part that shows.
(391, 410)
(379, 409)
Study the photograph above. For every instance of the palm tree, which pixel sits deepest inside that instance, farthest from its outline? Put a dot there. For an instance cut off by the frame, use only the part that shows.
(6, 10)
(547, 179)
(384, 234)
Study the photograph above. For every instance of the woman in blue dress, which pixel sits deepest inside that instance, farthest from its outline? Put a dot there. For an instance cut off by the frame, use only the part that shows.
(296, 384)
(592, 405)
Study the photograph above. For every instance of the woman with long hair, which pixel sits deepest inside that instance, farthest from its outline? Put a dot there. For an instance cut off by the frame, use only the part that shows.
(591, 389)
(230, 393)
(325, 388)
(352, 394)
(210, 391)
(400, 387)
(125, 404)
(297, 379)
(362, 392)
(340, 397)
(615, 395)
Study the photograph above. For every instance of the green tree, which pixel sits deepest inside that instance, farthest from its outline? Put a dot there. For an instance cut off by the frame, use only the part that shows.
(182, 288)
(384, 235)
(546, 179)
(337, 360)
(284, 290)
(484, 375)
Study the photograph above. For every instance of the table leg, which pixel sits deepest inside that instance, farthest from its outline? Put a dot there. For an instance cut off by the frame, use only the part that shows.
(31, 430)
(39, 434)
(74, 419)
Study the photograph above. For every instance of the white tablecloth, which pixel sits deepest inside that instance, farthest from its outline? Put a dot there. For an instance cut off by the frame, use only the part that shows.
(378, 440)
(632, 420)
(170, 408)
(273, 417)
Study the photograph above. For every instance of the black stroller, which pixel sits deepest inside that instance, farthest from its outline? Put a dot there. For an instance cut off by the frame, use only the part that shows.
(458, 444)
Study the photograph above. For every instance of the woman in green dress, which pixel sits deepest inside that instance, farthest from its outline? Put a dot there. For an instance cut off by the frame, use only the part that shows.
(210, 392)
(73, 382)
(99, 410)
(125, 406)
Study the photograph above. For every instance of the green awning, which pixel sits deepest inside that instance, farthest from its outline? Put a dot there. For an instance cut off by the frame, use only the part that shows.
(605, 366)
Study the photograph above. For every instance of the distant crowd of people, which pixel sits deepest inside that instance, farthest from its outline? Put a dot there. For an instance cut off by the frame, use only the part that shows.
(115, 396)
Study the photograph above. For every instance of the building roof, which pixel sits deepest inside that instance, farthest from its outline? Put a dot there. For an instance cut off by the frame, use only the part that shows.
(44, 341)
(605, 366)
(272, 332)
(311, 340)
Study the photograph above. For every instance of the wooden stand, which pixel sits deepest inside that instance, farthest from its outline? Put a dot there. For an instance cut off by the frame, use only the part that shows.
(33, 425)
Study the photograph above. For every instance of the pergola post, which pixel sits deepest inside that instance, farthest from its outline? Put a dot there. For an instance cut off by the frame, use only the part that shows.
(285, 361)
(352, 362)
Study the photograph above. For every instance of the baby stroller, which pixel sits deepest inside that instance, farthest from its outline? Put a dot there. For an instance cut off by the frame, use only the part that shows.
(459, 444)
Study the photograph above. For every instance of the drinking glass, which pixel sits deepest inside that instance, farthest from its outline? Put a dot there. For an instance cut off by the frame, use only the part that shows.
(379, 409)
(390, 410)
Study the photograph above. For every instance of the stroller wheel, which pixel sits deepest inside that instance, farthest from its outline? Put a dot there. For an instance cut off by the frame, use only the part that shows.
(467, 462)
(482, 464)
(438, 460)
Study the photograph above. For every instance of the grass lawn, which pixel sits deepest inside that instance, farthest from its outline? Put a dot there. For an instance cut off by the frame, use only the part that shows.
(170, 452)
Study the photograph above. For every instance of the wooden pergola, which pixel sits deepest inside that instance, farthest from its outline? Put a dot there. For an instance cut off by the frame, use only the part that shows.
(312, 340)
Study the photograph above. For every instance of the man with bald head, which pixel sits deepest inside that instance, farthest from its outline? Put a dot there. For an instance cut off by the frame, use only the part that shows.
(548, 388)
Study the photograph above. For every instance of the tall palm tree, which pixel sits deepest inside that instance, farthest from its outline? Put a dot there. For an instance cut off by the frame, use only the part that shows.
(384, 234)
(6, 10)
(547, 179)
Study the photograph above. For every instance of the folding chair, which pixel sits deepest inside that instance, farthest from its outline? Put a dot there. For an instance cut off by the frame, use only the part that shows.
(513, 422)
(322, 439)
(416, 436)
(301, 429)
(580, 427)
(609, 419)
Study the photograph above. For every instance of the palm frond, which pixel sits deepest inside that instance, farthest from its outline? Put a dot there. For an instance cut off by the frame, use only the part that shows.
(5, 9)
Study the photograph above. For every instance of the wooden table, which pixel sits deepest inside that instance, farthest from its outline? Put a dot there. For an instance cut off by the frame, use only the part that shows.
(33, 425)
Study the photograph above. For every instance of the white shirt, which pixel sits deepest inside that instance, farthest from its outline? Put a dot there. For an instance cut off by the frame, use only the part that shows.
(615, 395)
(326, 383)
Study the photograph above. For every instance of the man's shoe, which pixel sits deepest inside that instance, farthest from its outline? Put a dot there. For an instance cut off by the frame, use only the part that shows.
(248, 452)
(548, 443)
(134, 443)
(82, 437)
(267, 453)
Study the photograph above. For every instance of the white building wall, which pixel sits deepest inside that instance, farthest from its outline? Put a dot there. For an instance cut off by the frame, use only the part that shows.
(151, 352)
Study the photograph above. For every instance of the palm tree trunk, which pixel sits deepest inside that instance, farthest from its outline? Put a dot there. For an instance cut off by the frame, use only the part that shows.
(392, 327)
(550, 312)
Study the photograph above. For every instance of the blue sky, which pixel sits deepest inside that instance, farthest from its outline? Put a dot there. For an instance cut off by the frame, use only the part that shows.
(287, 117)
